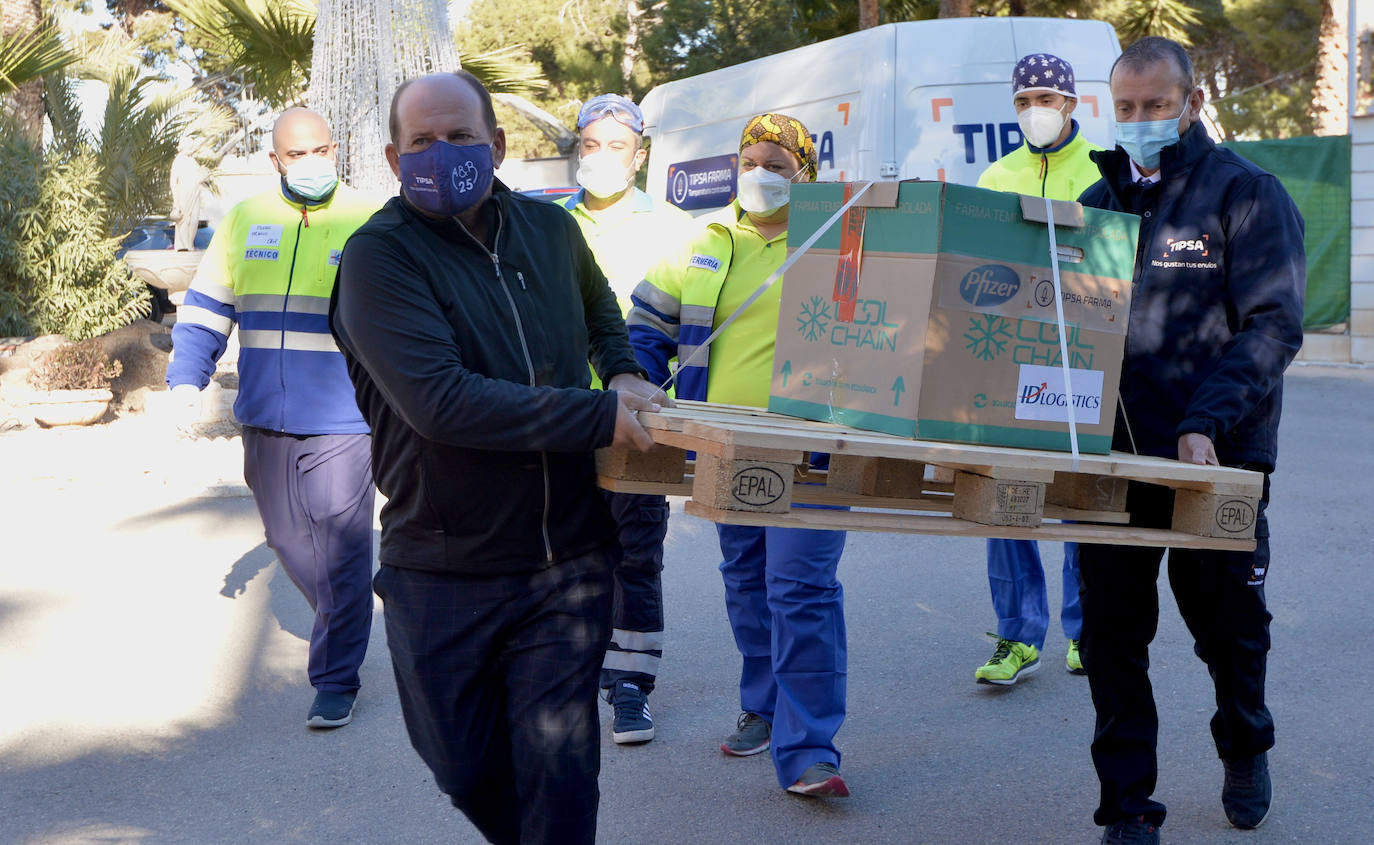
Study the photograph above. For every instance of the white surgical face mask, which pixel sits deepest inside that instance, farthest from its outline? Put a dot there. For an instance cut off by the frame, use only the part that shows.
(602, 174)
(312, 177)
(1041, 125)
(762, 191)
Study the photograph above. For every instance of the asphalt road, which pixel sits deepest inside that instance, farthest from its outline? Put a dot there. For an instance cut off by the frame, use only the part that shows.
(153, 689)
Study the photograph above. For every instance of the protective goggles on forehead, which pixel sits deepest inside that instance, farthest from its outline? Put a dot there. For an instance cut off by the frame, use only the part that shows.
(620, 108)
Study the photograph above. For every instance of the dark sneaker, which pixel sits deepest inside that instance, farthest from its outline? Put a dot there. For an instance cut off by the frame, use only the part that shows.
(821, 780)
(331, 710)
(1134, 831)
(752, 735)
(632, 721)
(1247, 792)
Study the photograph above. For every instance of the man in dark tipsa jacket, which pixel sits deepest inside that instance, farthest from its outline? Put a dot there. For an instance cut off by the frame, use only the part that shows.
(467, 315)
(1216, 317)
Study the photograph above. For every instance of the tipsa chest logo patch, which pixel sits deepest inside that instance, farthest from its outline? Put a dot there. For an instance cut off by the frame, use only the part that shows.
(1191, 247)
(705, 262)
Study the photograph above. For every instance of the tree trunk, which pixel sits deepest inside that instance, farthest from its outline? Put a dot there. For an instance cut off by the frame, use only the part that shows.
(26, 102)
(956, 8)
(868, 14)
(1329, 109)
(1016, 8)
(634, 16)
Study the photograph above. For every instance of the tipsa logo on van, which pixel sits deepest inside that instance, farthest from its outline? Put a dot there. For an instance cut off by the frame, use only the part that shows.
(991, 284)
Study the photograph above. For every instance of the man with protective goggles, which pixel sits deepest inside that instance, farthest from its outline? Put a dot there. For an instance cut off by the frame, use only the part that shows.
(468, 314)
(1216, 317)
(627, 231)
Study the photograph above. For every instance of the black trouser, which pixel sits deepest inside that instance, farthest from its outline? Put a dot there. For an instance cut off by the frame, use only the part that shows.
(498, 682)
(1221, 598)
(637, 613)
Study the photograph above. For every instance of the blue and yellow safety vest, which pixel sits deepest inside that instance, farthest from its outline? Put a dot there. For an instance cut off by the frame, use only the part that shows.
(270, 270)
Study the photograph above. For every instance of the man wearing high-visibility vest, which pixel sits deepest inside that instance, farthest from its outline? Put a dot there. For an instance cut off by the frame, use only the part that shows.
(1053, 162)
(270, 270)
(628, 232)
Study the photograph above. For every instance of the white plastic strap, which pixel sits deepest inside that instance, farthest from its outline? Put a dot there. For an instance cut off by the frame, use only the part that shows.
(769, 282)
(1063, 342)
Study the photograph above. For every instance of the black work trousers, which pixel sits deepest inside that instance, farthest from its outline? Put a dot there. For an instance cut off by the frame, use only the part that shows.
(637, 610)
(1221, 598)
(498, 686)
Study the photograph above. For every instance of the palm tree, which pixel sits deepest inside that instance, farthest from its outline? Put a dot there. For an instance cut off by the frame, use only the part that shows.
(29, 47)
(1329, 96)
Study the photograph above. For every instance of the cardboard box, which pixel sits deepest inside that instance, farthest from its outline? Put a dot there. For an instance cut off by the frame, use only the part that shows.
(928, 311)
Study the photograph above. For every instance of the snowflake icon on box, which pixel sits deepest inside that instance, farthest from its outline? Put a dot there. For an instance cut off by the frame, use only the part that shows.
(815, 318)
(987, 336)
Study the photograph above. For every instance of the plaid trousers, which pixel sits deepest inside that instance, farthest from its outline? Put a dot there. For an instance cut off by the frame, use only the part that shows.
(498, 686)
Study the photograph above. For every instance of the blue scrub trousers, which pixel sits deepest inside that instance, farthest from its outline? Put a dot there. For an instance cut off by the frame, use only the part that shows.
(786, 608)
(1019, 597)
(315, 496)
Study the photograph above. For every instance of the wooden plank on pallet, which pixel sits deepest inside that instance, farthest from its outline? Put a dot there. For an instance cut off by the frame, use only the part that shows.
(758, 428)
(1087, 492)
(884, 477)
(1215, 515)
(743, 484)
(813, 494)
(998, 501)
(667, 464)
(903, 523)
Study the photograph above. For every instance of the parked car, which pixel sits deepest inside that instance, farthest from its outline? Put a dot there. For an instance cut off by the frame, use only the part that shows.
(550, 194)
(159, 234)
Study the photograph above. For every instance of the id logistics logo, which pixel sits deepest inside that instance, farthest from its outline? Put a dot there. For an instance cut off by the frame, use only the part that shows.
(1040, 394)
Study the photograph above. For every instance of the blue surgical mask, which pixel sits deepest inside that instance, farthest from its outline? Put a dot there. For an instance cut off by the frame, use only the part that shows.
(446, 179)
(1143, 141)
(312, 177)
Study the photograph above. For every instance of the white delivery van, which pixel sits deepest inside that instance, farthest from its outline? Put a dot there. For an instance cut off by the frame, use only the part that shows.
(914, 100)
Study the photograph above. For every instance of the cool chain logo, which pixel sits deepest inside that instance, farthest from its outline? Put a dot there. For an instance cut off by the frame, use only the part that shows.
(991, 284)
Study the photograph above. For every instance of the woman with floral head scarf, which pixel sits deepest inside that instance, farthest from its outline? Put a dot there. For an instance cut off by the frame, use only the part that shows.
(785, 603)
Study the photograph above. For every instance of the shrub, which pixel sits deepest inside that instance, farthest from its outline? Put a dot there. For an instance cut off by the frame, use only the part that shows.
(77, 286)
(75, 366)
(58, 271)
(19, 183)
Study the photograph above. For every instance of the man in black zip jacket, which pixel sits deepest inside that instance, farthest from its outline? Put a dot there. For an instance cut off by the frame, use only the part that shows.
(467, 315)
(1216, 317)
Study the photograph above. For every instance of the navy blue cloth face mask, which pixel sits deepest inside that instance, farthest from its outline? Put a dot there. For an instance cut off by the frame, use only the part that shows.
(446, 179)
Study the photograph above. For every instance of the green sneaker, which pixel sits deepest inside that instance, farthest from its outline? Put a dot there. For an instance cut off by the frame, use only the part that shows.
(1072, 661)
(1010, 660)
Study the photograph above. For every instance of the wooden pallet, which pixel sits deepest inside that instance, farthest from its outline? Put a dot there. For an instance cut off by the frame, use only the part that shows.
(751, 468)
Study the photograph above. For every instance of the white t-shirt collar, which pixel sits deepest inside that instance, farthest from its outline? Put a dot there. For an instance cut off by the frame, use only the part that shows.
(1137, 176)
